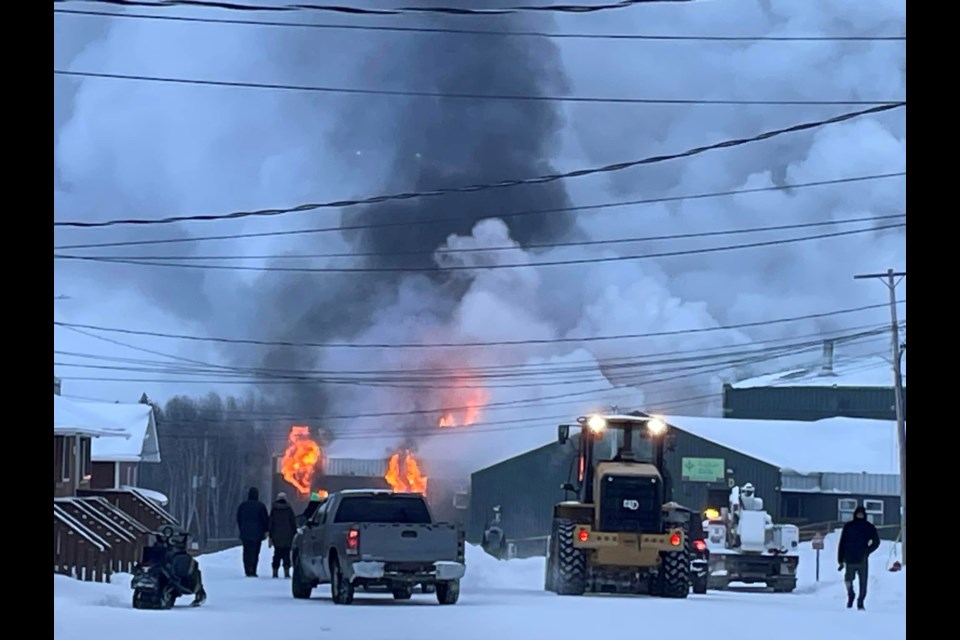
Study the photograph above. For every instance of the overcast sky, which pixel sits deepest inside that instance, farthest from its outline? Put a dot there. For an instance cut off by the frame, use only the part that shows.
(126, 149)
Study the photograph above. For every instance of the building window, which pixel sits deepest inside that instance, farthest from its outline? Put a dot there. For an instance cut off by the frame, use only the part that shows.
(86, 464)
(792, 506)
(845, 509)
(874, 510)
(65, 460)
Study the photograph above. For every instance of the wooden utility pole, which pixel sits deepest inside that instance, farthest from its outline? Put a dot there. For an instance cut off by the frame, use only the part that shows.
(890, 280)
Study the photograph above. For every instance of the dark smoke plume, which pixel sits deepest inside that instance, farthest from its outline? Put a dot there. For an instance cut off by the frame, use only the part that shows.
(433, 143)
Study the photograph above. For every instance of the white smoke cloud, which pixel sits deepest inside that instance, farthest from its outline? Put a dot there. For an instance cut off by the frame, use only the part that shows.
(142, 150)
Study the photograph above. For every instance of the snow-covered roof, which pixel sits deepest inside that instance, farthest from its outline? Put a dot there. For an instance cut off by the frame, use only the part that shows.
(832, 445)
(69, 419)
(852, 372)
(135, 421)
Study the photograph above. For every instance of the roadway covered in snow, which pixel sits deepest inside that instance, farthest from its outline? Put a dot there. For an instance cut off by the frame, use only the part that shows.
(499, 601)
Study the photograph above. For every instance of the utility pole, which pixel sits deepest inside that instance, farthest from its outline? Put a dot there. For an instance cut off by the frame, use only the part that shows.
(204, 524)
(890, 280)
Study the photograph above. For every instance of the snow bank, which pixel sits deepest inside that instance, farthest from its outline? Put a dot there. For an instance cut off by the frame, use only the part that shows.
(885, 588)
(484, 572)
(71, 591)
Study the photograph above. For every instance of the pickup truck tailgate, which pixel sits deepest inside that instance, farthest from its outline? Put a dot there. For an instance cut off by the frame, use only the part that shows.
(409, 542)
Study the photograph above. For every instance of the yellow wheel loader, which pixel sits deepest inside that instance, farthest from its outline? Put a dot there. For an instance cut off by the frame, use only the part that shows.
(621, 534)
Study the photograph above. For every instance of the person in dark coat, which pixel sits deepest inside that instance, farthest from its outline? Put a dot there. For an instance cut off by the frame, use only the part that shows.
(282, 528)
(858, 540)
(252, 521)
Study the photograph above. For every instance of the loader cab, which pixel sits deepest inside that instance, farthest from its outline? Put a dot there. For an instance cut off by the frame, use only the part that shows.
(625, 452)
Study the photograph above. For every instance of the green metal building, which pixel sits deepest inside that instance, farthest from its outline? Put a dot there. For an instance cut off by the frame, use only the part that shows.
(795, 467)
(851, 388)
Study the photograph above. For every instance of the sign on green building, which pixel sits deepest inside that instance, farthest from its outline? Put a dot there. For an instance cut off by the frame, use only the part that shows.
(702, 469)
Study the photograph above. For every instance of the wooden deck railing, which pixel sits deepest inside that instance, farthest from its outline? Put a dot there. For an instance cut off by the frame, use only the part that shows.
(78, 551)
(103, 531)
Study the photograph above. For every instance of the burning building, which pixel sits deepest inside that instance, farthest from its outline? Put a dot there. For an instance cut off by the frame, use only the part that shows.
(306, 470)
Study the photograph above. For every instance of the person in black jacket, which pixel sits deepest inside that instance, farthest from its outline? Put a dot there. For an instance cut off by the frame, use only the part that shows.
(858, 540)
(282, 528)
(252, 521)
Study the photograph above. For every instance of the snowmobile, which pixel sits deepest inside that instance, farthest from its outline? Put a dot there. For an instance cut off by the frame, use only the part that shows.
(166, 572)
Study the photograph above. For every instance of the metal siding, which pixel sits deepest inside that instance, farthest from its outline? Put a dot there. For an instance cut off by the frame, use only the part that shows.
(526, 487)
(355, 467)
(809, 403)
(871, 484)
(694, 495)
(796, 482)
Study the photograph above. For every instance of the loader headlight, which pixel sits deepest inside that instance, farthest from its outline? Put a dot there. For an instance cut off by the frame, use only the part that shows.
(596, 424)
(656, 426)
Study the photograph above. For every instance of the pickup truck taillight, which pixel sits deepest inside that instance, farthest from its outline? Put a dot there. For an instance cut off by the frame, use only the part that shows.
(353, 541)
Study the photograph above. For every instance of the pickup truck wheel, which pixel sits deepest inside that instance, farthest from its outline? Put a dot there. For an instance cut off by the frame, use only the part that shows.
(402, 593)
(340, 588)
(448, 592)
(301, 588)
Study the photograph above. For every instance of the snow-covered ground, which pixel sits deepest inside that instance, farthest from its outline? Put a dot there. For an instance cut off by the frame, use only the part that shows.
(501, 600)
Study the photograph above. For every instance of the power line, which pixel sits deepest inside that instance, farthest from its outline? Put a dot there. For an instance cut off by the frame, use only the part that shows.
(552, 245)
(472, 374)
(427, 345)
(395, 11)
(483, 372)
(479, 427)
(488, 32)
(509, 215)
(489, 405)
(549, 263)
(485, 407)
(537, 379)
(610, 168)
(405, 93)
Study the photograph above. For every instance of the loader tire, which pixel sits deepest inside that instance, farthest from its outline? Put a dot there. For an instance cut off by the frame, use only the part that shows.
(674, 574)
(570, 576)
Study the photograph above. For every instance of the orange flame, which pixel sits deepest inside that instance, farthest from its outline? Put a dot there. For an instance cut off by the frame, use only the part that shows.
(469, 413)
(409, 478)
(300, 460)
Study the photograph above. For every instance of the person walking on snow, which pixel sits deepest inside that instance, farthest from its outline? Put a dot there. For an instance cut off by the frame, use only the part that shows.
(252, 521)
(282, 528)
(858, 540)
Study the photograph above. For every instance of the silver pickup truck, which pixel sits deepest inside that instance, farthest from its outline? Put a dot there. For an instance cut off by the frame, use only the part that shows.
(375, 538)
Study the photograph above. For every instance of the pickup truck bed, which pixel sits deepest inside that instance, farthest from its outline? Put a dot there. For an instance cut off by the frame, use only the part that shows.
(372, 539)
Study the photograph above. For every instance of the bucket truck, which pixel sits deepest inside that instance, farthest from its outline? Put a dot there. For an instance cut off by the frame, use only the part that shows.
(746, 546)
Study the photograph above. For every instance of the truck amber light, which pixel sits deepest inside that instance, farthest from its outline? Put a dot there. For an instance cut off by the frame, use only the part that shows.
(700, 545)
(353, 541)
(675, 539)
(584, 535)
